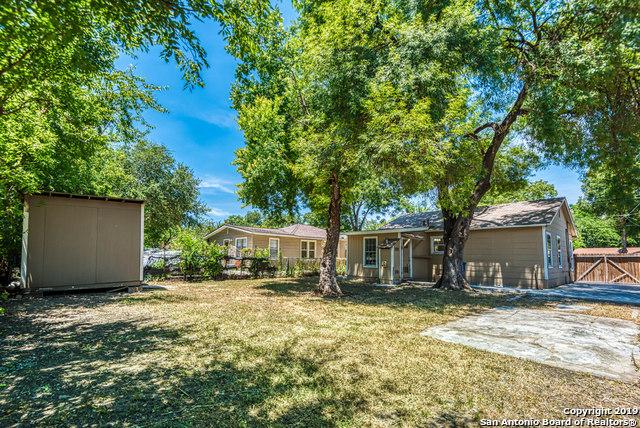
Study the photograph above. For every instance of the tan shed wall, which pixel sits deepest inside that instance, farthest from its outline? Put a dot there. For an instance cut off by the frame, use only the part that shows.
(73, 242)
(498, 256)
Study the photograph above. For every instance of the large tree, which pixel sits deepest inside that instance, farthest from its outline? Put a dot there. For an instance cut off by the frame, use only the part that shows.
(148, 171)
(462, 81)
(613, 191)
(303, 110)
(593, 106)
(596, 230)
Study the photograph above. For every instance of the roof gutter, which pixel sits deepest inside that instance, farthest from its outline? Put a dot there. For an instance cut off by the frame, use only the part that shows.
(423, 229)
(285, 235)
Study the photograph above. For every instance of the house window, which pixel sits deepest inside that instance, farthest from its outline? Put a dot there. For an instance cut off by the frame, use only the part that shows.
(226, 242)
(274, 248)
(308, 249)
(559, 250)
(241, 244)
(549, 250)
(437, 245)
(370, 255)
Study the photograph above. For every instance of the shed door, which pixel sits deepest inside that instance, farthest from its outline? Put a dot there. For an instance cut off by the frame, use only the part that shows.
(69, 246)
(118, 251)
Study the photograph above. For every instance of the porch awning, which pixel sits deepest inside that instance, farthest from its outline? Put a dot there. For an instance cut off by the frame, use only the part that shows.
(388, 243)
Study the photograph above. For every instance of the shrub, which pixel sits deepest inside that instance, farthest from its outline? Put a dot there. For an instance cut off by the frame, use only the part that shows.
(260, 263)
(199, 257)
(213, 256)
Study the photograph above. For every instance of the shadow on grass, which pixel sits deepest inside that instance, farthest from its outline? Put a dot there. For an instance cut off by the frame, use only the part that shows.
(62, 371)
(416, 296)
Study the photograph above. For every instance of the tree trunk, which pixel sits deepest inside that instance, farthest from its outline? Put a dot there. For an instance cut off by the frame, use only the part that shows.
(456, 233)
(328, 286)
(456, 226)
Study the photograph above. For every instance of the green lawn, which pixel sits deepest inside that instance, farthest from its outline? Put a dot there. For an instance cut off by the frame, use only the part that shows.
(268, 352)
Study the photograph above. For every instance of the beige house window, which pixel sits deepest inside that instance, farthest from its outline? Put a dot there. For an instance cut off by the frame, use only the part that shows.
(370, 252)
(274, 248)
(308, 249)
(559, 250)
(549, 250)
(241, 244)
(437, 245)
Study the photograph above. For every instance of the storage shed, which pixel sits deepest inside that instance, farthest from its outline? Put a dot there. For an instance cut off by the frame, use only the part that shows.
(79, 241)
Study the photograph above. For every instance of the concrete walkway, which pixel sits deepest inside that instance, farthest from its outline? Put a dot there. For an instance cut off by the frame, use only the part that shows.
(610, 293)
(600, 346)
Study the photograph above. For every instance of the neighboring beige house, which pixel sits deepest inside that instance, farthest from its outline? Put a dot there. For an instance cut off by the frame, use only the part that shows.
(299, 241)
(522, 244)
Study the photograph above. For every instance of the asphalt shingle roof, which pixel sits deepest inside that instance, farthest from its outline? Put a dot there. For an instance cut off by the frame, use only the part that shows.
(298, 230)
(527, 213)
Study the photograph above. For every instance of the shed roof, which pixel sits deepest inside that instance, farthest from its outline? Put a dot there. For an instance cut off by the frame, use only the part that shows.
(295, 230)
(516, 214)
(92, 197)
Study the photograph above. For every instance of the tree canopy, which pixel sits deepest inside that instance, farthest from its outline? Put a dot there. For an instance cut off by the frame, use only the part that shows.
(63, 101)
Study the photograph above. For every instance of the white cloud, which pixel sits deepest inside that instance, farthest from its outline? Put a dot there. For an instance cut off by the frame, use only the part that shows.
(222, 118)
(219, 184)
(217, 212)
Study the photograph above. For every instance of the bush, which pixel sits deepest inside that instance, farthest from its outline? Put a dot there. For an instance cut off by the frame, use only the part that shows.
(199, 258)
(212, 260)
(260, 263)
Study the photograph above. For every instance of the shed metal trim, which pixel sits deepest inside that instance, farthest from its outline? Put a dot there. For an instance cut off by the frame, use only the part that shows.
(91, 197)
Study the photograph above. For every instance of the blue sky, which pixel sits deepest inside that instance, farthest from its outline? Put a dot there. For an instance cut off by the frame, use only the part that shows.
(200, 128)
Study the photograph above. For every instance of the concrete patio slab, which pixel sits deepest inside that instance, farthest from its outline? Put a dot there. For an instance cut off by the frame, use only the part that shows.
(592, 292)
(600, 346)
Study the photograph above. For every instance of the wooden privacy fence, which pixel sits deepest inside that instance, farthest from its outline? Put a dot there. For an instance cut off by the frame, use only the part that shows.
(612, 269)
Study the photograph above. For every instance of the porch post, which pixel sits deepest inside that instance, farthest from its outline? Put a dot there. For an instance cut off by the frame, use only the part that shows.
(401, 255)
(393, 256)
(410, 259)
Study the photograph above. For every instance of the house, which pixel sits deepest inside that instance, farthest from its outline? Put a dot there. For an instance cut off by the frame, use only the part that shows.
(298, 241)
(523, 244)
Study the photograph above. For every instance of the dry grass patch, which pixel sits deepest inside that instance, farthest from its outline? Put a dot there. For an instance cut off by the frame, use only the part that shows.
(269, 352)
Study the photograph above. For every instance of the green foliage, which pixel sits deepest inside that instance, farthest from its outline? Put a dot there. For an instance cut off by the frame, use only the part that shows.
(301, 108)
(595, 230)
(61, 146)
(260, 264)
(4, 296)
(197, 257)
(251, 218)
(63, 102)
(612, 190)
(148, 171)
(532, 191)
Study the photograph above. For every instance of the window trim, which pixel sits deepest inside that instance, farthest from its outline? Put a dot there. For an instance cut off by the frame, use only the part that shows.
(277, 248)
(364, 252)
(433, 248)
(235, 241)
(314, 248)
(237, 250)
(559, 251)
(548, 244)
